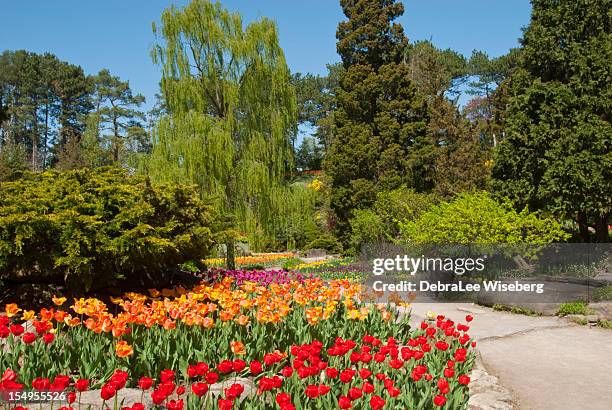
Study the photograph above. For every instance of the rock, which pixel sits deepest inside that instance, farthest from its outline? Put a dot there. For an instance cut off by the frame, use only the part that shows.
(486, 393)
(316, 253)
(125, 397)
(603, 310)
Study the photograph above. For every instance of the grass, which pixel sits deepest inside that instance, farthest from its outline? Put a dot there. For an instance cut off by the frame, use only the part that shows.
(574, 308)
(602, 294)
(605, 324)
(516, 310)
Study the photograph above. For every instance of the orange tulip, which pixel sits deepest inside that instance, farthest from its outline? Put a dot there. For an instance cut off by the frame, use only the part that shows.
(237, 348)
(123, 349)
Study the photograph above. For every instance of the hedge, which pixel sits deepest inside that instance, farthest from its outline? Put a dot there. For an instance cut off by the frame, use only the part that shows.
(98, 228)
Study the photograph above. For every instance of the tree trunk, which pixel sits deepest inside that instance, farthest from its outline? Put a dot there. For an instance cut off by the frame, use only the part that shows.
(229, 254)
(601, 228)
(583, 227)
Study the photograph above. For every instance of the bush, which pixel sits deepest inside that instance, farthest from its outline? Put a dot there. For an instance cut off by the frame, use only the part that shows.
(381, 222)
(574, 308)
(326, 241)
(477, 218)
(95, 228)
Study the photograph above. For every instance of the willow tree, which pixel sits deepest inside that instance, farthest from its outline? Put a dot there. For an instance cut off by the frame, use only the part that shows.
(231, 110)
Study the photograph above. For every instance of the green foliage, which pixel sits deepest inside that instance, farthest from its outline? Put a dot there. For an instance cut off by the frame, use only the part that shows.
(13, 162)
(381, 222)
(231, 112)
(381, 139)
(517, 310)
(573, 308)
(603, 293)
(316, 101)
(326, 241)
(557, 155)
(309, 155)
(99, 227)
(477, 218)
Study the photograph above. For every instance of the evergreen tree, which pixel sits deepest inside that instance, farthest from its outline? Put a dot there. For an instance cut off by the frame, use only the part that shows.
(381, 140)
(231, 111)
(117, 114)
(557, 154)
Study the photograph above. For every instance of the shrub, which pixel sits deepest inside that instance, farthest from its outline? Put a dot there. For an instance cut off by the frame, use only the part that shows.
(574, 308)
(381, 222)
(326, 241)
(478, 218)
(94, 228)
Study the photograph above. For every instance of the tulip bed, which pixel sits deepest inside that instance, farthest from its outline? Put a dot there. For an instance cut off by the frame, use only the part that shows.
(305, 343)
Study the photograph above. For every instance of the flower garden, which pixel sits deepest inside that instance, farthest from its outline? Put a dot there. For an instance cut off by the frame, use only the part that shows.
(303, 343)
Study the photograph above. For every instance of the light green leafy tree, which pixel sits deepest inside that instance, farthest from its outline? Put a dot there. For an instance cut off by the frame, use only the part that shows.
(231, 111)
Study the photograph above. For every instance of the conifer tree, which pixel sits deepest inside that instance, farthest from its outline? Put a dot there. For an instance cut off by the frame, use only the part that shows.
(380, 140)
(557, 153)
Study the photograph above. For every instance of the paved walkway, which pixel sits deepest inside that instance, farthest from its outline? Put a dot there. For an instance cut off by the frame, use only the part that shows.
(546, 362)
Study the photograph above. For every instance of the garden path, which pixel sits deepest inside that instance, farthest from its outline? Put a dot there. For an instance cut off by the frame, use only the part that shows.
(545, 362)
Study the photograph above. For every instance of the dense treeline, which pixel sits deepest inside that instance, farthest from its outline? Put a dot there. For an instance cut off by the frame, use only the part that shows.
(52, 114)
(397, 148)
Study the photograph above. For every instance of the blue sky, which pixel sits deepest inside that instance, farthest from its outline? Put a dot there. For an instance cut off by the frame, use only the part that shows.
(116, 34)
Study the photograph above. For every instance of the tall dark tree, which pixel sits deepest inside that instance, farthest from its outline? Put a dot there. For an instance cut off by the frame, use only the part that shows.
(117, 118)
(381, 139)
(557, 154)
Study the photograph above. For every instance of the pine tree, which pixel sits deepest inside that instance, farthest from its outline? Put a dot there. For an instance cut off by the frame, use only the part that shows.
(381, 139)
(231, 111)
(557, 155)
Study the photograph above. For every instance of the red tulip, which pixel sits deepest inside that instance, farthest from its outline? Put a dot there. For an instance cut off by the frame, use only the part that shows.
(255, 367)
(81, 384)
(166, 375)
(192, 371)
(323, 389)
(238, 365)
(108, 391)
(158, 396)
(4, 331)
(312, 391)
(16, 329)
(234, 391)
(367, 387)
(377, 402)
(202, 368)
(175, 405)
(287, 371)
(448, 373)
(282, 398)
(331, 372)
(71, 397)
(464, 379)
(9, 375)
(180, 390)
(145, 383)
(199, 389)
(41, 384)
(225, 404)
(439, 400)
(355, 393)
(28, 337)
(469, 318)
(225, 366)
(344, 402)
(48, 338)
(347, 375)
(211, 377)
